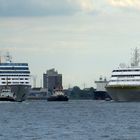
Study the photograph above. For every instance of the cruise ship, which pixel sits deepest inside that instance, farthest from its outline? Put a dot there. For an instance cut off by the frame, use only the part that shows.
(16, 77)
(124, 84)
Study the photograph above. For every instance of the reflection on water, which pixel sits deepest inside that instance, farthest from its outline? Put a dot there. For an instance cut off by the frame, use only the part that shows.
(73, 120)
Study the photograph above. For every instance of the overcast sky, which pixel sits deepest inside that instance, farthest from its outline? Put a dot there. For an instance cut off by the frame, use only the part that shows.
(82, 39)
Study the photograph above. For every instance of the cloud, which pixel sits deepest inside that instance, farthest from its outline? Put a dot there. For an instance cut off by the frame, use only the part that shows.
(125, 3)
(86, 5)
(43, 7)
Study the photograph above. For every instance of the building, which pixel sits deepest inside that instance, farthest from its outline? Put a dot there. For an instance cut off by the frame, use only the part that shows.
(52, 80)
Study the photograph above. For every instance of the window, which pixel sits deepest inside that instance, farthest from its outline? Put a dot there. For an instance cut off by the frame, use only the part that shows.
(126, 70)
(124, 75)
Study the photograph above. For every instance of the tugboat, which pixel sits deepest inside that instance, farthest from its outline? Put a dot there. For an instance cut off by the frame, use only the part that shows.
(58, 96)
(7, 95)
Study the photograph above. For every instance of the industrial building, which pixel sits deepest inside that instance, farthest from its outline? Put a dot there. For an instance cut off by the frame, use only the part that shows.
(52, 80)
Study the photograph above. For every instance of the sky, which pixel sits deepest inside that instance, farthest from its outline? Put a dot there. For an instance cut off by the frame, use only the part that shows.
(81, 39)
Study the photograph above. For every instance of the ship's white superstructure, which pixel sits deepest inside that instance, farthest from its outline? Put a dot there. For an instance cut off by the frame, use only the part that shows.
(101, 84)
(14, 73)
(125, 76)
(16, 76)
(124, 84)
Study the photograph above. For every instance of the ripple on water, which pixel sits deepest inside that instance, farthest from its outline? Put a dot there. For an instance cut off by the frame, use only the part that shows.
(73, 120)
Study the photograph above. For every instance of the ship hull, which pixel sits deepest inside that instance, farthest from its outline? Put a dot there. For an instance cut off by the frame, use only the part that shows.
(20, 91)
(58, 98)
(7, 99)
(124, 93)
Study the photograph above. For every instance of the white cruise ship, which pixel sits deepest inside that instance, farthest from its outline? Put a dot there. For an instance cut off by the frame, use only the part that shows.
(124, 84)
(16, 77)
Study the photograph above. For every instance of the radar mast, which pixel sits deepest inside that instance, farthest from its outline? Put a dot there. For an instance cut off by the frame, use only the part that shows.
(8, 58)
(135, 58)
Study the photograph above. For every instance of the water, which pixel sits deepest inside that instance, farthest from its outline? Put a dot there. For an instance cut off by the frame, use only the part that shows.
(73, 120)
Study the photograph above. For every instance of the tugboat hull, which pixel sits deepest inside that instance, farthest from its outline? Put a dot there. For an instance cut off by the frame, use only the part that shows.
(7, 99)
(58, 98)
(20, 93)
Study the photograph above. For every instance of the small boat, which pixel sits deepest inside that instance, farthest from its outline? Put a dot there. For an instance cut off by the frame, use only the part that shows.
(7, 95)
(58, 96)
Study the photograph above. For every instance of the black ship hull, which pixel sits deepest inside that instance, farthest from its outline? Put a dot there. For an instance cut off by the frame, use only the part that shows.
(7, 99)
(57, 98)
(20, 92)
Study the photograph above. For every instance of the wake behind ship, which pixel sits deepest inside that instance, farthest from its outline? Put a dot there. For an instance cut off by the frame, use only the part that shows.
(14, 77)
(124, 84)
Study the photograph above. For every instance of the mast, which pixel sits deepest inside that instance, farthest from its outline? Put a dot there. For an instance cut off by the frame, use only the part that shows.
(135, 58)
(8, 58)
(0, 57)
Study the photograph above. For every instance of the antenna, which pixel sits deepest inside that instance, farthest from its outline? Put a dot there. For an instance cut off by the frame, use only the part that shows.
(8, 58)
(84, 84)
(40, 82)
(135, 58)
(34, 81)
(0, 57)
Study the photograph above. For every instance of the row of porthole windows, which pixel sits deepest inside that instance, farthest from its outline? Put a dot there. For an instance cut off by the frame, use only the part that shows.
(14, 68)
(124, 75)
(15, 82)
(14, 78)
(124, 80)
(13, 64)
(14, 75)
(12, 72)
(126, 70)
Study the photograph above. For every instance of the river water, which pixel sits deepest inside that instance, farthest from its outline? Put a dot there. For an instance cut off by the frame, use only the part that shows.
(72, 120)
